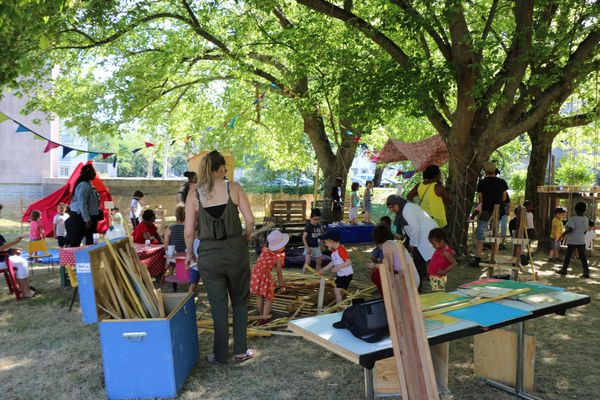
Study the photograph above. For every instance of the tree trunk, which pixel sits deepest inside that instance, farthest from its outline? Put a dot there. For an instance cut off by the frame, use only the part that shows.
(332, 165)
(378, 175)
(463, 173)
(541, 147)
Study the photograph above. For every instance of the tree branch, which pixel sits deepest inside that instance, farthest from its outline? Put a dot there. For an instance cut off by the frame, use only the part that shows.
(283, 20)
(489, 20)
(443, 46)
(327, 8)
(575, 68)
(577, 120)
(515, 63)
(116, 35)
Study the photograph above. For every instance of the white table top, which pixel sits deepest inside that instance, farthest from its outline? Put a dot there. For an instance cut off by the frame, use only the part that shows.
(320, 330)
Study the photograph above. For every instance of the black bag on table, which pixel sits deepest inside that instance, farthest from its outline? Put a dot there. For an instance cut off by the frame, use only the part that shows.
(366, 320)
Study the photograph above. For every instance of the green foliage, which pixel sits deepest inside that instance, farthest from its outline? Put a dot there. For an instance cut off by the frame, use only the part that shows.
(574, 172)
(516, 184)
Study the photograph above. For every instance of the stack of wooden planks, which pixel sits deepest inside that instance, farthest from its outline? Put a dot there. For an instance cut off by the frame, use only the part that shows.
(123, 286)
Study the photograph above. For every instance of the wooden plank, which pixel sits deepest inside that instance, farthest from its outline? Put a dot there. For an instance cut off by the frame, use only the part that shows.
(495, 356)
(138, 285)
(407, 332)
(116, 289)
(146, 285)
(161, 306)
(129, 291)
(321, 295)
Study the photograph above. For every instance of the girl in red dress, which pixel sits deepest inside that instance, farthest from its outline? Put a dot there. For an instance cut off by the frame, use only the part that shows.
(261, 281)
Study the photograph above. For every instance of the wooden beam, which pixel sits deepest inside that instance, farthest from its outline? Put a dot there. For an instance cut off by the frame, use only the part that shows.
(407, 332)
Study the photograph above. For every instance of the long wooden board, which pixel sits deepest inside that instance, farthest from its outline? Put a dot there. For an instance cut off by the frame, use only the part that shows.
(407, 332)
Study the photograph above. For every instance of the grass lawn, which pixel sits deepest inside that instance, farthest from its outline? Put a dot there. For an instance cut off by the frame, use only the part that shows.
(48, 353)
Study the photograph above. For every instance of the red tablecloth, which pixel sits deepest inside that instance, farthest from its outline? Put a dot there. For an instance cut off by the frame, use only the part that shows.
(153, 257)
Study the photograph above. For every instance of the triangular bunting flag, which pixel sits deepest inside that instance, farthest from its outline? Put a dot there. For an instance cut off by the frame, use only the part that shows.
(232, 123)
(21, 129)
(38, 137)
(349, 132)
(66, 150)
(408, 174)
(356, 139)
(115, 162)
(106, 155)
(50, 146)
(78, 153)
(3, 117)
(136, 150)
(148, 144)
(172, 142)
(92, 155)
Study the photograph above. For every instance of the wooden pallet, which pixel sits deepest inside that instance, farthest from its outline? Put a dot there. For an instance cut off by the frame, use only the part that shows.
(288, 210)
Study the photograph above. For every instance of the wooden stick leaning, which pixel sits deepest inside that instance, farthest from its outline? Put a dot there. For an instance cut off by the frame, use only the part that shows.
(115, 287)
(130, 292)
(111, 291)
(474, 302)
(142, 268)
(145, 295)
(138, 284)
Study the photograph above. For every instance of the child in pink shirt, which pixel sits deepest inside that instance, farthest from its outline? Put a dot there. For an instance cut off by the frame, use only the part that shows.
(442, 260)
(36, 227)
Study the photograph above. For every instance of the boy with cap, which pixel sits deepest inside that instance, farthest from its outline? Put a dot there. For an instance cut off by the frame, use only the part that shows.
(340, 263)
(491, 190)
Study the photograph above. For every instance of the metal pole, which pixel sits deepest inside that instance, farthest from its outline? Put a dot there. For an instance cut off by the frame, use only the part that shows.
(369, 389)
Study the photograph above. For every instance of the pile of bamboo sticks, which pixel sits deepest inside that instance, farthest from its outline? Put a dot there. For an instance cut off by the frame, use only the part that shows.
(300, 300)
(123, 286)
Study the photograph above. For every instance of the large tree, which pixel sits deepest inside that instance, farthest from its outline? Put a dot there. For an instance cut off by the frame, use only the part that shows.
(467, 67)
(164, 57)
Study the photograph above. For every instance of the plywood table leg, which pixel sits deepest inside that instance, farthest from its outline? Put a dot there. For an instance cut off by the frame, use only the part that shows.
(439, 358)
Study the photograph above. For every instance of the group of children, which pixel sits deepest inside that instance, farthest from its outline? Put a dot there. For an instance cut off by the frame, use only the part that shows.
(273, 255)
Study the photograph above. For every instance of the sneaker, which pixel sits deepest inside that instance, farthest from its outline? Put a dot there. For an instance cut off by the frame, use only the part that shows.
(585, 276)
(560, 272)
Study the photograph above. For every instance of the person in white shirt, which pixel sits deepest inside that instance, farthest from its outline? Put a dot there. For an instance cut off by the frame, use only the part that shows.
(60, 231)
(590, 235)
(135, 208)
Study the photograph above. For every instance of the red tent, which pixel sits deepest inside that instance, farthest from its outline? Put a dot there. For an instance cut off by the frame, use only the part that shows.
(430, 151)
(47, 205)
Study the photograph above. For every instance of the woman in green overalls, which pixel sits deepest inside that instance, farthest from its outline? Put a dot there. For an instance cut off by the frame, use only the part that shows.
(212, 213)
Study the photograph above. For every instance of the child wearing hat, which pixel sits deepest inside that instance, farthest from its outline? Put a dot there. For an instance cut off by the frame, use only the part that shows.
(261, 282)
(340, 263)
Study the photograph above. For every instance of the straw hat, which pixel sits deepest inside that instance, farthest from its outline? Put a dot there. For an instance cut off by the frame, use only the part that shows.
(489, 167)
(277, 240)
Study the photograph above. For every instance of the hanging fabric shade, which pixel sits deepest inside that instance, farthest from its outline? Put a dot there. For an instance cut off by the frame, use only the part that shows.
(430, 151)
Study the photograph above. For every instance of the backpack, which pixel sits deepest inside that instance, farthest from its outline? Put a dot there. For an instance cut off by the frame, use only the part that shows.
(365, 320)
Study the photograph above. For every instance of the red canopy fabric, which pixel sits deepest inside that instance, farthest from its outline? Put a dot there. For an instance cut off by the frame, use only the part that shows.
(47, 205)
(431, 151)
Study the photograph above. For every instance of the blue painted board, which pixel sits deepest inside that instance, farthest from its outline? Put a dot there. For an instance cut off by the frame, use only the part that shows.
(488, 314)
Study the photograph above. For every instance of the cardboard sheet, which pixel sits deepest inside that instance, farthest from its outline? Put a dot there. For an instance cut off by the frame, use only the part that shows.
(488, 314)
